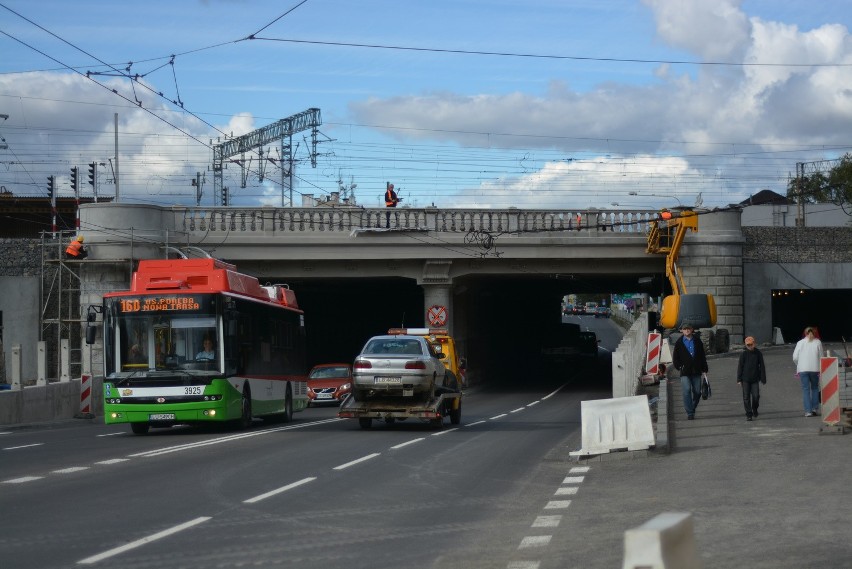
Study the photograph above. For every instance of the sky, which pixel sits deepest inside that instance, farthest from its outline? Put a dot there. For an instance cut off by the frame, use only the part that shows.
(551, 104)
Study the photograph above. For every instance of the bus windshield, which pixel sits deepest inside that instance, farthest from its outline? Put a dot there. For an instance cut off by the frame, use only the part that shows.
(166, 341)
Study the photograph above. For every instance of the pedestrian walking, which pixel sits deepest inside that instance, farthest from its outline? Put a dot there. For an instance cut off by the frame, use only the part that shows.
(751, 372)
(807, 356)
(689, 359)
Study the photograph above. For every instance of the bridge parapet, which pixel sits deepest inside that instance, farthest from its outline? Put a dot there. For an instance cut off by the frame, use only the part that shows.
(345, 219)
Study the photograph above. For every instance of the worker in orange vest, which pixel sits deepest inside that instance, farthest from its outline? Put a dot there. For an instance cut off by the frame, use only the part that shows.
(665, 215)
(391, 200)
(76, 250)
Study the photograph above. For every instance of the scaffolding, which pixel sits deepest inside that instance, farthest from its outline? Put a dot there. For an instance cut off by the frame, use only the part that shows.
(63, 312)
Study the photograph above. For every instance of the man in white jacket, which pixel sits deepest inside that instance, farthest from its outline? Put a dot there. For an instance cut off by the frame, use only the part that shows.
(807, 359)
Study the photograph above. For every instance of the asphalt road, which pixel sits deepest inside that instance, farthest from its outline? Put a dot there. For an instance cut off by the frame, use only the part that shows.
(316, 492)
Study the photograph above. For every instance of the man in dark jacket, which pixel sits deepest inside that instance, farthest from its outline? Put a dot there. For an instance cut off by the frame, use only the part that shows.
(689, 359)
(751, 372)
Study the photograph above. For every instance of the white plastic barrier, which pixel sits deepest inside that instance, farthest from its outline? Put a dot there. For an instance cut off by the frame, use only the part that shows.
(615, 424)
(664, 542)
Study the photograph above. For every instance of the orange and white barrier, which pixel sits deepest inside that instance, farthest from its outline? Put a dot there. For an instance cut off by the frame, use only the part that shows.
(652, 354)
(86, 394)
(829, 391)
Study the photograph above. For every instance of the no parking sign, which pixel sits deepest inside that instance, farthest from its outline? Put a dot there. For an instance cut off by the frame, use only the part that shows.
(437, 316)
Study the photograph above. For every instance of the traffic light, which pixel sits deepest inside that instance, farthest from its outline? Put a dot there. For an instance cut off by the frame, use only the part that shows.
(93, 174)
(51, 187)
(74, 182)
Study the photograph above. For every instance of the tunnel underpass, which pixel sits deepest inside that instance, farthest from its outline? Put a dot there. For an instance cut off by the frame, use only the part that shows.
(499, 322)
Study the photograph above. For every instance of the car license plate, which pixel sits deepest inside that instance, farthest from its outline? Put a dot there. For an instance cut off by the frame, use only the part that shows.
(161, 417)
(323, 395)
(388, 379)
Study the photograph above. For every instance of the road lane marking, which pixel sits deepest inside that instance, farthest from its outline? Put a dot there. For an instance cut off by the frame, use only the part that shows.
(523, 565)
(113, 461)
(566, 491)
(356, 461)
(547, 521)
(578, 469)
(535, 541)
(552, 393)
(517, 410)
(405, 444)
(476, 423)
(229, 438)
(70, 469)
(22, 479)
(24, 446)
(143, 541)
(444, 432)
(573, 479)
(112, 434)
(279, 490)
(557, 504)
(533, 403)
(498, 416)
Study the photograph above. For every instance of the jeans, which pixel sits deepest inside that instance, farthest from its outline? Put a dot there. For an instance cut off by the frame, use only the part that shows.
(751, 397)
(691, 387)
(810, 390)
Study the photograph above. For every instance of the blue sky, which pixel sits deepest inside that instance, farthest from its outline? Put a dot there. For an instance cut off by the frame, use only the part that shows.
(464, 103)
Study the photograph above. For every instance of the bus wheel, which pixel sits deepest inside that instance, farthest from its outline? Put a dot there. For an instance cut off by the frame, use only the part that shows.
(288, 406)
(455, 415)
(140, 428)
(245, 408)
(365, 422)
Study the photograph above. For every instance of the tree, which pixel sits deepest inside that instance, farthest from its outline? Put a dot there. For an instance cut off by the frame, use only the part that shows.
(840, 182)
(813, 188)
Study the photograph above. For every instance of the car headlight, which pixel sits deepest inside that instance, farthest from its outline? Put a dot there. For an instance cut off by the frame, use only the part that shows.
(344, 387)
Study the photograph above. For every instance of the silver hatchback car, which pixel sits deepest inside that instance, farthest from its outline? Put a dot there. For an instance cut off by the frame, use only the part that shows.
(396, 366)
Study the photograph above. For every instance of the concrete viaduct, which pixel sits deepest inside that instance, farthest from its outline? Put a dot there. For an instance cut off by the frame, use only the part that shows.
(499, 274)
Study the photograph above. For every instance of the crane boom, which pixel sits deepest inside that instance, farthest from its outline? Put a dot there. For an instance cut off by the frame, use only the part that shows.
(666, 237)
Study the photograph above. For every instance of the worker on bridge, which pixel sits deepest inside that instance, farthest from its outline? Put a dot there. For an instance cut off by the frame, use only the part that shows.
(391, 200)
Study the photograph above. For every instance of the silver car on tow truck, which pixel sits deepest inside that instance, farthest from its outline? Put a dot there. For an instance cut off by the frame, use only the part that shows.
(397, 365)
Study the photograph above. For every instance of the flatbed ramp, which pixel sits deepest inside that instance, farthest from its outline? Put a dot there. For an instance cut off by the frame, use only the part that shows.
(392, 409)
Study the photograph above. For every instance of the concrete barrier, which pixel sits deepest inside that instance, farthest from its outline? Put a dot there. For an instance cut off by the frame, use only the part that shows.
(47, 403)
(666, 541)
(623, 423)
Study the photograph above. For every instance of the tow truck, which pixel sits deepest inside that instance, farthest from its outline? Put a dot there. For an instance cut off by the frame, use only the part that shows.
(679, 308)
(444, 402)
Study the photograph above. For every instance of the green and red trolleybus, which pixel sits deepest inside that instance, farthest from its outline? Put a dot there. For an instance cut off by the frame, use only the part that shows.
(194, 341)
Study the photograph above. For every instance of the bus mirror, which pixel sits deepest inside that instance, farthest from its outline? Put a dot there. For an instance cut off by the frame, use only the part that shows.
(91, 334)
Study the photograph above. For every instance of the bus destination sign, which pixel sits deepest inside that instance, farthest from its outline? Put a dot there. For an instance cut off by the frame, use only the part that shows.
(172, 303)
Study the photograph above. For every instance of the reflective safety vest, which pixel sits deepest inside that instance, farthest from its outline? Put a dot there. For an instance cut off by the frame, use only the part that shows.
(390, 198)
(74, 249)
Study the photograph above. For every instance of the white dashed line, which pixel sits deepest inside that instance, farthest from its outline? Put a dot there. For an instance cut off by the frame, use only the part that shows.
(523, 565)
(573, 479)
(533, 403)
(279, 490)
(547, 521)
(356, 461)
(70, 469)
(22, 479)
(518, 409)
(566, 491)
(143, 541)
(405, 444)
(476, 423)
(578, 469)
(497, 416)
(535, 541)
(24, 446)
(112, 434)
(557, 504)
(444, 432)
(113, 461)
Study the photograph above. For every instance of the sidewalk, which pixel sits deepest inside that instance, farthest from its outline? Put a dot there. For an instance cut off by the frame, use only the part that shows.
(771, 493)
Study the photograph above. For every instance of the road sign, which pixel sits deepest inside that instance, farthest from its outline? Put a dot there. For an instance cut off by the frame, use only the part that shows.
(437, 315)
